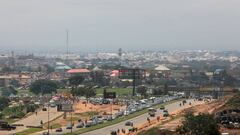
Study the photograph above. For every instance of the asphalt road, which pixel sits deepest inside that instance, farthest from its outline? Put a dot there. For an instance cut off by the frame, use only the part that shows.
(173, 107)
(34, 120)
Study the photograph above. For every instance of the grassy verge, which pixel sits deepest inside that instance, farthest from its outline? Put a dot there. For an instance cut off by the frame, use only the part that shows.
(29, 131)
(121, 119)
(56, 125)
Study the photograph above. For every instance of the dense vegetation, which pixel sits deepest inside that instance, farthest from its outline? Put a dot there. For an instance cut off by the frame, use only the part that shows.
(201, 124)
(7, 91)
(234, 101)
(4, 102)
(44, 86)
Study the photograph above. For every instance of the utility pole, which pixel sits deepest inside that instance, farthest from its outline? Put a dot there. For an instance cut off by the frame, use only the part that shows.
(134, 81)
(48, 119)
(67, 44)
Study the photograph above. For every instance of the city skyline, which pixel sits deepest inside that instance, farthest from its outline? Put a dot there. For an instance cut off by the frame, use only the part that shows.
(135, 25)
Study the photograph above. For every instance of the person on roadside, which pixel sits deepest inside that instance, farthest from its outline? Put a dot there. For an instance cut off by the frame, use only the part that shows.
(148, 120)
(158, 118)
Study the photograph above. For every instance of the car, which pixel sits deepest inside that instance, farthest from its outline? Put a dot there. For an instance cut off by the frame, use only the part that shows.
(59, 130)
(133, 129)
(113, 133)
(99, 121)
(162, 107)
(165, 113)
(80, 125)
(129, 123)
(45, 133)
(44, 109)
(88, 124)
(151, 114)
(69, 126)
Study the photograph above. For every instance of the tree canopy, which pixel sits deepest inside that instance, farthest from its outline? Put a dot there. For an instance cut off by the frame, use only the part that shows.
(83, 91)
(76, 80)
(7, 91)
(44, 86)
(142, 90)
(201, 124)
(3, 103)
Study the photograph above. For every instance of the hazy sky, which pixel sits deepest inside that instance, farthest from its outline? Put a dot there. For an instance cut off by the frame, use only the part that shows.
(106, 25)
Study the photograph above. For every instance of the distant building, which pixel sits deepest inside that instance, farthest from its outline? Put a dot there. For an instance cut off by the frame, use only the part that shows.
(81, 71)
(162, 71)
(23, 79)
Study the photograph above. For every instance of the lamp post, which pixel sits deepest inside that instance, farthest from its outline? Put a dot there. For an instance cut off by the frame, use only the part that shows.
(48, 118)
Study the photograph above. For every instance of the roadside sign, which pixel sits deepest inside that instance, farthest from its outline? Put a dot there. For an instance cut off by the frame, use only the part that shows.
(65, 107)
(111, 95)
(131, 73)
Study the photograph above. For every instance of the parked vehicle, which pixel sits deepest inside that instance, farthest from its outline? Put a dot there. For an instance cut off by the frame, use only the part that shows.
(129, 123)
(80, 125)
(162, 107)
(44, 109)
(59, 130)
(69, 126)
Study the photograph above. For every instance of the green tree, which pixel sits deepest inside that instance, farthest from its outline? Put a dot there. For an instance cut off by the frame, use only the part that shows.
(90, 92)
(80, 91)
(201, 124)
(83, 91)
(15, 83)
(14, 112)
(74, 81)
(142, 90)
(158, 91)
(4, 102)
(44, 86)
(7, 91)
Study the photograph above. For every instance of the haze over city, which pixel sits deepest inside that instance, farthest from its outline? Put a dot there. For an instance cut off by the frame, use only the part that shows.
(107, 25)
(119, 67)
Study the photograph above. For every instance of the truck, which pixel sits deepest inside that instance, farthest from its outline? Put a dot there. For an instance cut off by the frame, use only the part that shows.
(5, 126)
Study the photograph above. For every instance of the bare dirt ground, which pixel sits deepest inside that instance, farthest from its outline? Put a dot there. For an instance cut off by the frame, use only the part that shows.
(81, 107)
(83, 111)
(174, 122)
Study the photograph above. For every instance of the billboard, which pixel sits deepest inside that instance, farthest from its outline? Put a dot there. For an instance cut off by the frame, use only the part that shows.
(131, 73)
(65, 107)
(111, 95)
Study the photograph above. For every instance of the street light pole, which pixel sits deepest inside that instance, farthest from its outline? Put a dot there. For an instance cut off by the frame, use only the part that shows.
(48, 118)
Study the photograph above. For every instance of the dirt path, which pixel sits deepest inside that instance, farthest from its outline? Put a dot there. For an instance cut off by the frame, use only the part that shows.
(172, 123)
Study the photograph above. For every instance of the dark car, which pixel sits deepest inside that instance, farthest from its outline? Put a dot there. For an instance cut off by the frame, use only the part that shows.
(151, 114)
(165, 114)
(129, 123)
(59, 130)
(44, 109)
(113, 133)
(5, 126)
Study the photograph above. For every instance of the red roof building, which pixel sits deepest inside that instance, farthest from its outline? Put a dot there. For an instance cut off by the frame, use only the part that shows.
(78, 71)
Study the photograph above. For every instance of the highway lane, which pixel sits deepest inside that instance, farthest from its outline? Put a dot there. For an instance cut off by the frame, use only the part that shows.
(140, 119)
(173, 107)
